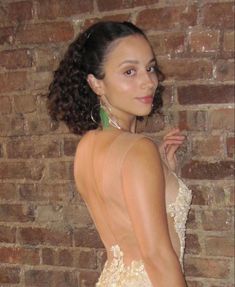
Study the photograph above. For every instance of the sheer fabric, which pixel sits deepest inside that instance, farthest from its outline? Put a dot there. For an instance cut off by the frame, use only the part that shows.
(117, 273)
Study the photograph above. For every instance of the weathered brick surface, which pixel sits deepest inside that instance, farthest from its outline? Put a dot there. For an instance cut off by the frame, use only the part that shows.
(228, 44)
(53, 9)
(13, 81)
(35, 236)
(207, 268)
(213, 244)
(168, 17)
(104, 5)
(9, 275)
(217, 15)
(186, 69)
(19, 255)
(204, 41)
(45, 33)
(17, 11)
(205, 170)
(14, 59)
(204, 94)
(46, 233)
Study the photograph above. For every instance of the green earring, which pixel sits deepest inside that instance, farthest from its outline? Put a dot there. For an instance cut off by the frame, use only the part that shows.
(104, 117)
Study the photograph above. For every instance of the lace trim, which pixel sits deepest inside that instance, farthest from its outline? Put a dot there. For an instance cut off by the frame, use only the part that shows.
(179, 210)
(117, 274)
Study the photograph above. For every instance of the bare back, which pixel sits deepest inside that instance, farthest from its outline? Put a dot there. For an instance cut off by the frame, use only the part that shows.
(98, 164)
(98, 181)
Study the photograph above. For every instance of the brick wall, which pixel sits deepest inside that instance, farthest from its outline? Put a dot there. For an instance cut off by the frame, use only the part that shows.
(46, 234)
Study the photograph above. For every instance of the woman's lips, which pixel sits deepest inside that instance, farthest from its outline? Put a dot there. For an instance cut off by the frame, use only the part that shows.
(145, 100)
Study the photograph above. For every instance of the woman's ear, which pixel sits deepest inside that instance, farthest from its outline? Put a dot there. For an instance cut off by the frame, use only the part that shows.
(95, 84)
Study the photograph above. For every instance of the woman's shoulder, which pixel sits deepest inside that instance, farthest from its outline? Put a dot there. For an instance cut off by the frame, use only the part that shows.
(84, 142)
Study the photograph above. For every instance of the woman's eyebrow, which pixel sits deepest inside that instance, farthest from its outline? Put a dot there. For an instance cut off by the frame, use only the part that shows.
(135, 62)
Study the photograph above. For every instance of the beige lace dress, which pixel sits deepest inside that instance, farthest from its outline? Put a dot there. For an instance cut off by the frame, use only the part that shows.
(117, 273)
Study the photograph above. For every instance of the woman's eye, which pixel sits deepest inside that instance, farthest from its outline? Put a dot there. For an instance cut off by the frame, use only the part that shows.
(151, 69)
(130, 72)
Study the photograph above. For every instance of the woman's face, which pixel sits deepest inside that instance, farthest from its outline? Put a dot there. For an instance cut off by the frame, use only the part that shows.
(130, 78)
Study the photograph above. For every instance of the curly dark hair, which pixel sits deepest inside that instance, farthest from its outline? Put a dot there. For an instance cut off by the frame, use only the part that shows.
(70, 97)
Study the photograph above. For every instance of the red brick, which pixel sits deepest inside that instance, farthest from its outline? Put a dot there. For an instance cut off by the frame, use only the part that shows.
(14, 81)
(21, 170)
(25, 103)
(228, 43)
(186, 69)
(50, 278)
(225, 70)
(191, 283)
(222, 119)
(166, 43)
(192, 120)
(192, 245)
(218, 15)
(223, 220)
(48, 256)
(45, 33)
(230, 143)
(104, 5)
(207, 268)
(87, 260)
(8, 191)
(88, 278)
(219, 246)
(14, 59)
(70, 145)
(19, 255)
(53, 9)
(40, 80)
(27, 147)
(7, 235)
(192, 221)
(9, 274)
(50, 192)
(35, 236)
(20, 11)
(1, 150)
(35, 126)
(6, 35)
(151, 124)
(208, 195)
(207, 170)
(52, 212)
(65, 258)
(167, 18)
(231, 198)
(207, 146)
(116, 17)
(5, 105)
(16, 213)
(38, 278)
(85, 237)
(61, 170)
(12, 126)
(47, 59)
(204, 41)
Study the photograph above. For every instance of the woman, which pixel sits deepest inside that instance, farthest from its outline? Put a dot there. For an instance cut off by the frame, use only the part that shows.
(107, 81)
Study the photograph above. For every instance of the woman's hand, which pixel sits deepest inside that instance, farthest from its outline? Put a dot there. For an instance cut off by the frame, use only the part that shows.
(171, 142)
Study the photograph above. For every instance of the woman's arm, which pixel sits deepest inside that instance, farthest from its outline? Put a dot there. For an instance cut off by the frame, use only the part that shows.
(144, 192)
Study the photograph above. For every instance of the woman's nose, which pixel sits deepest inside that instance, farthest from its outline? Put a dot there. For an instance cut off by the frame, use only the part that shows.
(149, 80)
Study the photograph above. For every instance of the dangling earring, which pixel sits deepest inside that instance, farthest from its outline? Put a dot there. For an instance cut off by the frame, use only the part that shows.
(107, 118)
(92, 110)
